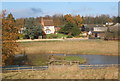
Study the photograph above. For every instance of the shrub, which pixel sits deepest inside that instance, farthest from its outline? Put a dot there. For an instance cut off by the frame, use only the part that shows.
(69, 36)
(20, 36)
(52, 36)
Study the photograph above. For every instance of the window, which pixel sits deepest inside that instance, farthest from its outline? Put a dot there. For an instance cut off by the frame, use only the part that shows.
(48, 31)
(47, 27)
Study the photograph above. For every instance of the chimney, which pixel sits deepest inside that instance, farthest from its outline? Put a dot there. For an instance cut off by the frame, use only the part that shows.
(42, 21)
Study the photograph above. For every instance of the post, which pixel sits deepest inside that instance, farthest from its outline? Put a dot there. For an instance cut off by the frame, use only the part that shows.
(18, 69)
(32, 68)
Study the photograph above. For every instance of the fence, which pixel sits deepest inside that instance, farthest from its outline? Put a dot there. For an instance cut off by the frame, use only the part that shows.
(24, 68)
(32, 68)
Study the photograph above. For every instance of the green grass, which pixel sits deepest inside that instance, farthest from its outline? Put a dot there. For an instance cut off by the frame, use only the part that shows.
(73, 58)
(59, 35)
(43, 59)
(68, 58)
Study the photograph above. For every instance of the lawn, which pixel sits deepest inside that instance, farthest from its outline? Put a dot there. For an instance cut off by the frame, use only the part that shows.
(96, 47)
(59, 35)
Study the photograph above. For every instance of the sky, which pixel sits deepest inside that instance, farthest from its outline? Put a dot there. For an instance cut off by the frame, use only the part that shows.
(36, 9)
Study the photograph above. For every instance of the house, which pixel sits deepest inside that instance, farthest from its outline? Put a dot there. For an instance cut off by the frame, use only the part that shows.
(113, 32)
(99, 32)
(109, 23)
(95, 30)
(21, 30)
(47, 25)
(114, 27)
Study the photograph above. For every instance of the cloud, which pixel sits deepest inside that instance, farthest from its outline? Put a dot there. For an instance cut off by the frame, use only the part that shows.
(36, 10)
(29, 12)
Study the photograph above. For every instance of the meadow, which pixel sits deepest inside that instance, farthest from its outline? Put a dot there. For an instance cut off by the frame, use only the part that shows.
(65, 72)
(95, 47)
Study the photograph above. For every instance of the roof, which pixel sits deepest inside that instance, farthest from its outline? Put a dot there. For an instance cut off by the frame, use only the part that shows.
(115, 27)
(100, 29)
(47, 22)
(91, 26)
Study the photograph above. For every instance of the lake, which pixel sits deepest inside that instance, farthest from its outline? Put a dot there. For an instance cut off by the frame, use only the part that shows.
(97, 59)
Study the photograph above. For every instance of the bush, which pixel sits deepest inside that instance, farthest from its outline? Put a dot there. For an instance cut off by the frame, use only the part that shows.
(20, 36)
(69, 36)
(52, 36)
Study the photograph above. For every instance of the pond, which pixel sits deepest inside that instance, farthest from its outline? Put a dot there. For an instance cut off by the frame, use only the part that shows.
(91, 59)
(97, 59)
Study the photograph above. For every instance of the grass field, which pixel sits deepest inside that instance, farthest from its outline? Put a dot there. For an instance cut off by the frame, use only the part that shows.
(43, 59)
(96, 47)
(65, 73)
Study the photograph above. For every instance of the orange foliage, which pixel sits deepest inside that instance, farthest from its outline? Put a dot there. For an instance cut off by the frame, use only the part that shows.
(74, 19)
(9, 35)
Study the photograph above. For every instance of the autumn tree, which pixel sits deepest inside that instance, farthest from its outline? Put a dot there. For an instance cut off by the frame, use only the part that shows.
(9, 35)
(78, 20)
(20, 22)
(69, 18)
(74, 19)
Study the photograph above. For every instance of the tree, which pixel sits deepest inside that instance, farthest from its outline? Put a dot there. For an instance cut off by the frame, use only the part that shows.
(33, 28)
(78, 20)
(69, 18)
(70, 29)
(20, 22)
(58, 20)
(9, 35)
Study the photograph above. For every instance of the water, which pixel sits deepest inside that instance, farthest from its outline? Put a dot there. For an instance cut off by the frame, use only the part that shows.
(100, 59)
(97, 59)
(91, 59)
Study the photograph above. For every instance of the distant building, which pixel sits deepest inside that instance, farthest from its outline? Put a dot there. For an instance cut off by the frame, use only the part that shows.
(47, 26)
(109, 23)
(99, 32)
(99, 29)
(21, 30)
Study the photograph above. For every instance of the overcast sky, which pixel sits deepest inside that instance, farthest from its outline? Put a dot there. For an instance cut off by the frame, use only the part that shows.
(36, 9)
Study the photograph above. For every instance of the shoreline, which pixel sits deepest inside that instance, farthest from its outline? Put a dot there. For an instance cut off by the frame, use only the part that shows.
(78, 54)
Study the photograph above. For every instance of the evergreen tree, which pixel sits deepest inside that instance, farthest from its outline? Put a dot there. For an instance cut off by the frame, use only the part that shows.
(70, 29)
(33, 28)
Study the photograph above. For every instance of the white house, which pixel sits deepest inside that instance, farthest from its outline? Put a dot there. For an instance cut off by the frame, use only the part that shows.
(21, 30)
(47, 26)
